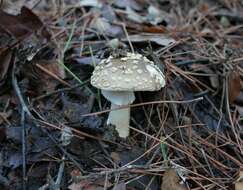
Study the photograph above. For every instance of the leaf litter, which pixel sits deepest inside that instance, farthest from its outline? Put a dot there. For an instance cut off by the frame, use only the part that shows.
(53, 122)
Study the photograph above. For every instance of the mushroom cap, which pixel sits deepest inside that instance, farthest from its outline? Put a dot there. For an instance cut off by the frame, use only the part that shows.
(131, 73)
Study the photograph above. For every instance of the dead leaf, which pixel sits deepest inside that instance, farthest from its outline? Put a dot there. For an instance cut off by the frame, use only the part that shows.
(22, 24)
(156, 38)
(48, 74)
(85, 184)
(204, 7)
(146, 28)
(171, 181)
(234, 86)
(116, 157)
(239, 182)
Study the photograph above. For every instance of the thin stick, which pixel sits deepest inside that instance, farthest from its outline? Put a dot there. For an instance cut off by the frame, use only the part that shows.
(19, 95)
(23, 126)
(24, 111)
(127, 36)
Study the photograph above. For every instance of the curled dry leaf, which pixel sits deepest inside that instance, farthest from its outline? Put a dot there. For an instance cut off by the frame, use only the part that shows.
(239, 182)
(171, 181)
(234, 86)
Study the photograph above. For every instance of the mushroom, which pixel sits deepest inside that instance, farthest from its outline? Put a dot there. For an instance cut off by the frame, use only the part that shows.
(118, 78)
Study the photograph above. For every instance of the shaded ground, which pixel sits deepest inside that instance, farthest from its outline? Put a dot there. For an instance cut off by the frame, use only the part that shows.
(53, 122)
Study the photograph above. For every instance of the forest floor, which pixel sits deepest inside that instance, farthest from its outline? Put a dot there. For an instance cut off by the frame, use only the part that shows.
(53, 130)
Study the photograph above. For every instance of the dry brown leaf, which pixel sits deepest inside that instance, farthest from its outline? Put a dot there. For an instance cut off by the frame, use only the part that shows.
(86, 184)
(116, 157)
(204, 7)
(145, 28)
(53, 66)
(23, 24)
(234, 86)
(239, 182)
(49, 73)
(171, 181)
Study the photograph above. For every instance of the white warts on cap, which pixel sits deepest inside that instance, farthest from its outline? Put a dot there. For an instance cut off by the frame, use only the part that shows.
(156, 74)
(123, 75)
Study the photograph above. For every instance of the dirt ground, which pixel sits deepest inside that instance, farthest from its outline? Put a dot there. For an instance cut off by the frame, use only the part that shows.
(53, 121)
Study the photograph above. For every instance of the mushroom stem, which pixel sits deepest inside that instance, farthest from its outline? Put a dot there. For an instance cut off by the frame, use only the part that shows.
(120, 118)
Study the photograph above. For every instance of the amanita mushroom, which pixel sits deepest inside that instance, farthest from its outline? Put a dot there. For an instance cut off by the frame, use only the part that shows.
(118, 78)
